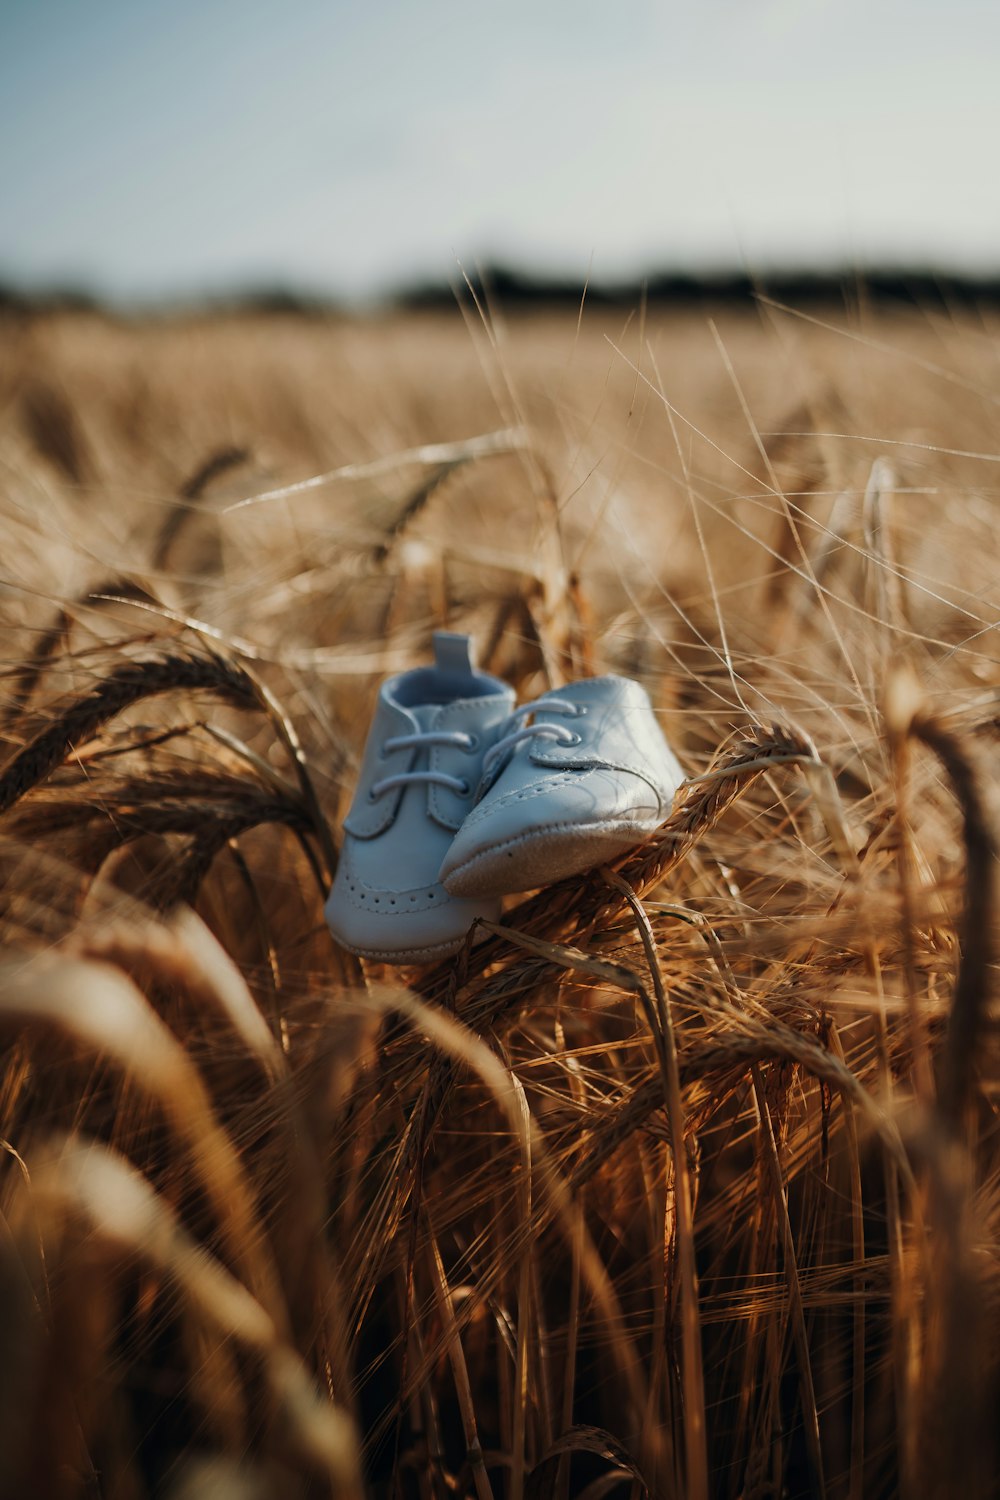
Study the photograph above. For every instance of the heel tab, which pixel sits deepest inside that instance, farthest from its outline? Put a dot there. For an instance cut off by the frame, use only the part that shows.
(454, 653)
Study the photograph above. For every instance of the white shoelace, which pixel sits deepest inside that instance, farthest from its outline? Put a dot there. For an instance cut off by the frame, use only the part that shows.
(541, 731)
(438, 778)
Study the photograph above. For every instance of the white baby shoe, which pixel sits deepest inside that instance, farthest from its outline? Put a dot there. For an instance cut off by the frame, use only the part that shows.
(577, 778)
(422, 763)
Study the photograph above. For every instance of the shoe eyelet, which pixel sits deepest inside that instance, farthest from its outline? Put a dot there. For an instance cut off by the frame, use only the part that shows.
(472, 745)
(466, 790)
(574, 739)
(580, 711)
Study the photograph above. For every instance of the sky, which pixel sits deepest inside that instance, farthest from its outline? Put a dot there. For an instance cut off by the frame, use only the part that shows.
(151, 148)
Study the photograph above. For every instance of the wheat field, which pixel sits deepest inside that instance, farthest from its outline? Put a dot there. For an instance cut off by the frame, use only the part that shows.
(682, 1180)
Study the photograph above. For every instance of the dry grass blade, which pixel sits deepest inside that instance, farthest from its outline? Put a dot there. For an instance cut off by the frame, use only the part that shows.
(135, 681)
(97, 1006)
(464, 1047)
(222, 461)
(289, 738)
(581, 1439)
(973, 985)
(695, 1450)
(183, 952)
(887, 580)
(446, 1312)
(525, 1312)
(130, 683)
(121, 1206)
(53, 425)
(414, 507)
(510, 440)
(805, 1372)
(27, 677)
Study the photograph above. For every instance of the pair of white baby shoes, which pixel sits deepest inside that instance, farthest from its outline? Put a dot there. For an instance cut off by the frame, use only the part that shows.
(464, 798)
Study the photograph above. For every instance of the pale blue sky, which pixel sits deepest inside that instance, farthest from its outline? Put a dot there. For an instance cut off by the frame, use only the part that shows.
(153, 148)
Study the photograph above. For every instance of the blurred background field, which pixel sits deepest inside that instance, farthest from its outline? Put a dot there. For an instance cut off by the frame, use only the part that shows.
(704, 1206)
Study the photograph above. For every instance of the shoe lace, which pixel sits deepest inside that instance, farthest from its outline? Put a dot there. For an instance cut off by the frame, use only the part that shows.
(540, 730)
(456, 737)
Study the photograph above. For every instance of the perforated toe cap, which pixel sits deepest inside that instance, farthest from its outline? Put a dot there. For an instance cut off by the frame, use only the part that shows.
(399, 926)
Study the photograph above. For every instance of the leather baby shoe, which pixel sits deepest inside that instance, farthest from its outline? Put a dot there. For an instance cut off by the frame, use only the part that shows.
(422, 763)
(577, 778)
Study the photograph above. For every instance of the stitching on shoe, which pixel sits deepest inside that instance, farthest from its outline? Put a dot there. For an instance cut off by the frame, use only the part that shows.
(404, 955)
(486, 809)
(398, 904)
(385, 903)
(559, 758)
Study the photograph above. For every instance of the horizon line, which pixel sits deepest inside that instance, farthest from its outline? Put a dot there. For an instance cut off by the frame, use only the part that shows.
(517, 285)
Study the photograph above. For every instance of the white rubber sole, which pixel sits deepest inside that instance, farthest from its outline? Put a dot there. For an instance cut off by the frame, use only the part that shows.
(403, 955)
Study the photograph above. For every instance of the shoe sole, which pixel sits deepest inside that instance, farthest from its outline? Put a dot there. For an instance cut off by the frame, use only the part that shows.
(542, 856)
(402, 955)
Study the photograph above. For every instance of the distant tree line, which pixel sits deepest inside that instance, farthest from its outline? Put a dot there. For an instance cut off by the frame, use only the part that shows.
(514, 288)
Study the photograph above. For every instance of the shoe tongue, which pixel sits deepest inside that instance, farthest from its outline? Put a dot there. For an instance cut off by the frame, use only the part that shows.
(425, 714)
